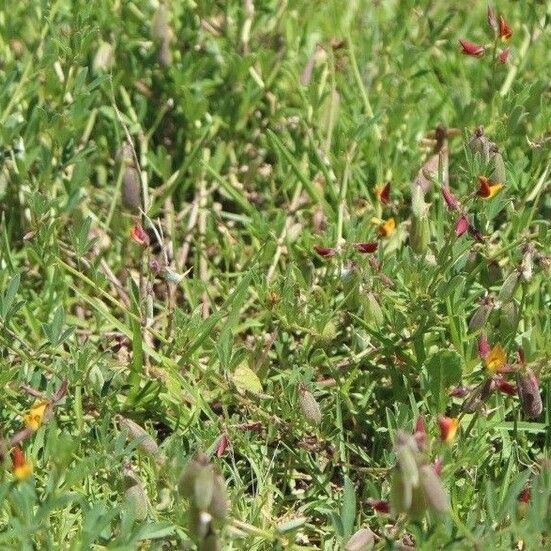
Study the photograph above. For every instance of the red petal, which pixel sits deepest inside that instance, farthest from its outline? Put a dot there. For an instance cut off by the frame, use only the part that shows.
(384, 196)
(138, 234)
(437, 466)
(505, 386)
(484, 189)
(369, 247)
(470, 48)
(380, 505)
(222, 445)
(324, 251)
(461, 226)
(483, 346)
(504, 55)
(525, 495)
(505, 30)
(451, 200)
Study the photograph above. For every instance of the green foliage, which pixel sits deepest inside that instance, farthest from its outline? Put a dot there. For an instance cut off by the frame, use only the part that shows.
(256, 131)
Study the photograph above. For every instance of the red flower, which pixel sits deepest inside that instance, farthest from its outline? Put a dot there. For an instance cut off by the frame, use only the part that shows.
(524, 496)
(470, 48)
(505, 386)
(448, 428)
(383, 193)
(324, 251)
(438, 465)
(483, 346)
(503, 55)
(505, 31)
(138, 234)
(451, 200)
(462, 226)
(222, 445)
(459, 391)
(369, 247)
(379, 505)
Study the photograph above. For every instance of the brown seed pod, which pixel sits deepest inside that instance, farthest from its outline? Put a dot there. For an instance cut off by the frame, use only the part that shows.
(309, 406)
(362, 540)
(529, 394)
(131, 189)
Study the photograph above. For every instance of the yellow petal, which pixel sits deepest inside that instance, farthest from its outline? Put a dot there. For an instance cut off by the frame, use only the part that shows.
(494, 189)
(22, 472)
(35, 416)
(387, 227)
(495, 359)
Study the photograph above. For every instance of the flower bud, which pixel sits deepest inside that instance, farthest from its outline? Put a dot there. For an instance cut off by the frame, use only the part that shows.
(309, 406)
(471, 49)
(529, 394)
(450, 199)
(362, 540)
(448, 428)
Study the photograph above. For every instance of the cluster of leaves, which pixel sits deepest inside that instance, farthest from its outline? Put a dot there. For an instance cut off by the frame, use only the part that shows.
(168, 172)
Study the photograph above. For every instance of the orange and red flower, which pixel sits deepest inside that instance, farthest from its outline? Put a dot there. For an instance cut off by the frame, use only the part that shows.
(383, 193)
(22, 468)
(448, 428)
(488, 189)
(505, 31)
(139, 235)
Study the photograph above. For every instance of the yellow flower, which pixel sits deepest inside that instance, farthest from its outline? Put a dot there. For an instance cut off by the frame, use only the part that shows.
(387, 227)
(495, 359)
(22, 468)
(35, 416)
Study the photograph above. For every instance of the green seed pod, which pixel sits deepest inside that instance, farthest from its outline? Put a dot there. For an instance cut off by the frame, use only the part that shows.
(203, 487)
(419, 504)
(146, 443)
(435, 495)
(210, 543)
(309, 406)
(186, 484)
(131, 189)
(419, 234)
(165, 54)
(508, 317)
(372, 309)
(362, 540)
(103, 60)
(491, 273)
(407, 464)
(400, 493)
(135, 499)
(160, 28)
(509, 287)
(529, 394)
(480, 317)
(200, 523)
(350, 278)
(498, 173)
(220, 504)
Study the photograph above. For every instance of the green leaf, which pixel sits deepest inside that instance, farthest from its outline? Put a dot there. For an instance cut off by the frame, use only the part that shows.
(443, 371)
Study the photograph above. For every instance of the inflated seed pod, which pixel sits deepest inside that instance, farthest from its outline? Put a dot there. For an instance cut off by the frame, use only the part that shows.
(362, 540)
(165, 53)
(419, 504)
(509, 316)
(219, 506)
(498, 173)
(146, 443)
(435, 494)
(480, 317)
(372, 310)
(104, 58)
(407, 462)
(203, 487)
(131, 189)
(309, 406)
(160, 27)
(509, 286)
(529, 394)
(419, 234)
(350, 278)
(400, 493)
(186, 484)
(136, 499)
(211, 543)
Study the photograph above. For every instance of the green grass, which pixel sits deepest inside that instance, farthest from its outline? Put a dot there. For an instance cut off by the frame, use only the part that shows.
(243, 164)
